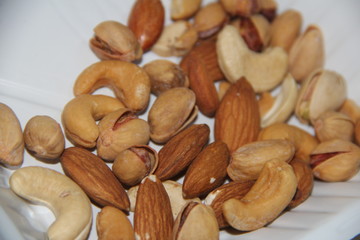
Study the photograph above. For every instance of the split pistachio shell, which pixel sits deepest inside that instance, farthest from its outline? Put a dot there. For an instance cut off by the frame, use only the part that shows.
(120, 130)
(322, 91)
(135, 163)
(115, 41)
(263, 70)
(335, 160)
(283, 105)
(172, 111)
(351, 109)
(307, 53)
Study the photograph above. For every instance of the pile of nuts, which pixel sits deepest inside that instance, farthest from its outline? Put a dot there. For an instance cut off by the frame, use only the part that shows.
(258, 166)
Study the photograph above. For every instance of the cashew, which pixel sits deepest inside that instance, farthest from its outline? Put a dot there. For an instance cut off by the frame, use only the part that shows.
(263, 70)
(129, 82)
(79, 116)
(68, 202)
(268, 197)
(303, 141)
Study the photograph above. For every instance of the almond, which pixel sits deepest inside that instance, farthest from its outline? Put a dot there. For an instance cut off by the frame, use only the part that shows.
(237, 119)
(146, 20)
(181, 150)
(153, 218)
(207, 171)
(96, 179)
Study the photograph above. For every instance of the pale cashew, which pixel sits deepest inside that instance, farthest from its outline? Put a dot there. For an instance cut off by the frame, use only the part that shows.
(80, 115)
(263, 70)
(68, 202)
(268, 197)
(130, 83)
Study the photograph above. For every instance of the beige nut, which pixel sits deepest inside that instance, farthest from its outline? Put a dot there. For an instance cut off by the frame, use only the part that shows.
(268, 8)
(115, 41)
(79, 117)
(351, 109)
(247, 161)
(335, 160)
(322, 91)
(43, 137)
(129, 82)
(183, 9)
(68, 202)
(135, 163)
(171, 112)
(120, 130)
(11, 137)
(267, 198)
(264, 70)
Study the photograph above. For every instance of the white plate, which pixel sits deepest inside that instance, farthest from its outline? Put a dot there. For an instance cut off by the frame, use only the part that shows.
(44, 46)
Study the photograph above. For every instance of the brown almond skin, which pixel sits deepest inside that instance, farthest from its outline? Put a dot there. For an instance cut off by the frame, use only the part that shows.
(207, 171)
(146, 20)
(181, 150)
(153, 217)
(237, 119)
(96, 179)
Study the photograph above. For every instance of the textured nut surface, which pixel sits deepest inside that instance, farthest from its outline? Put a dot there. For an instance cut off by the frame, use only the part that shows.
(244, 8)
(182, 9)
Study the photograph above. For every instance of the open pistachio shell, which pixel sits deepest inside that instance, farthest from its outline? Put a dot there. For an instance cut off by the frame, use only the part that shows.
(322, 91)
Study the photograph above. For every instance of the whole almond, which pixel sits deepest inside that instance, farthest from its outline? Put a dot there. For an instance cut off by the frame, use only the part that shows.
(153, 218)
(181, 150)
(237, 119)
(96, 179)
(207, 171)
(146, 20)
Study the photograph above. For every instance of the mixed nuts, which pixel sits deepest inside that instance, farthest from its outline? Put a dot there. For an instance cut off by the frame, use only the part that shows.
(257, 167)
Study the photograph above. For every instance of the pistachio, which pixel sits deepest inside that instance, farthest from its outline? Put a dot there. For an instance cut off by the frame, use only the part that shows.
(196, 221)
(182, 9)
(115, 41)
(120, 130)
(164, 75)
(44, 138)
(244, 8)
(307, 53)
(351, 108)
(11, 137)
(331, 125)
(322, 91)
(135, 163)
(247, 161)
(172, 111)
(268, 8)
(335, 160)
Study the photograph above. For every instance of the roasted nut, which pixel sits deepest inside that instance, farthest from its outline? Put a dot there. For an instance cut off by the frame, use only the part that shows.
(303, 141)
(335, 160)
(268, 8)
(357, 132)
(218, 196)
(171, 112)
(146, 20)
(264, 70)
(129, 82)
(307, 53)
(322, 91)
(68, 202)
(115, 41)
(79, 117)
(244, 8)
(223, 87)
(196, 221)
(135, 163)
(11, 138)
(285, 29)
(267, 198)
(183, 9)
(351, 108)
(44, 138)
(247, 161)
(112, 223)
(120, 130)
(331, 125)
(165, 75)
(207, 171)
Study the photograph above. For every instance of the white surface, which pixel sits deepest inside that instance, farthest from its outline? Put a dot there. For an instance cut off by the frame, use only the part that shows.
(44, 46)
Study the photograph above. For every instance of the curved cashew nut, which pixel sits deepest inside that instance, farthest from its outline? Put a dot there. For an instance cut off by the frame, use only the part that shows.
(79, 116)
(268, 197)
(264, 70)
(303, 141)
(130, 83)
(68, 202)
